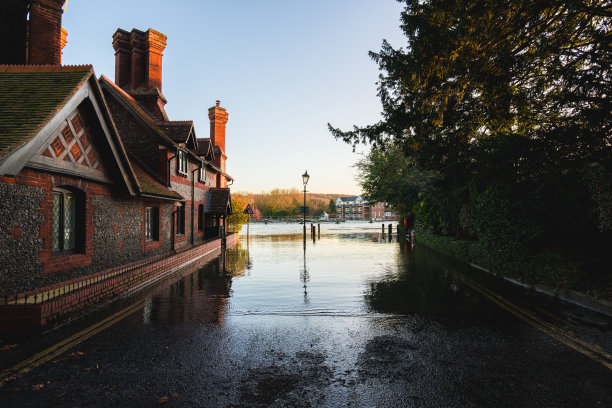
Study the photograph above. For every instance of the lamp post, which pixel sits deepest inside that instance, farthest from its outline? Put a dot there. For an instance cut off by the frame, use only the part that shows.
(305, 178)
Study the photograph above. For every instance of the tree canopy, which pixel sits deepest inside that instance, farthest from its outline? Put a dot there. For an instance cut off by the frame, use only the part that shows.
(501, 110)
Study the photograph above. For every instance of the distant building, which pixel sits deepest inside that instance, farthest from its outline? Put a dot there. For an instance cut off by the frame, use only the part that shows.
(358, 208)
(324, 216)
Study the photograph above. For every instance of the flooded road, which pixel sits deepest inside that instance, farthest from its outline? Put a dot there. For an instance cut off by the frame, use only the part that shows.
(354, 318)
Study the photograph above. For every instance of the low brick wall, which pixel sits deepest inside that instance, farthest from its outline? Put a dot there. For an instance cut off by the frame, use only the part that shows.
(79, 300)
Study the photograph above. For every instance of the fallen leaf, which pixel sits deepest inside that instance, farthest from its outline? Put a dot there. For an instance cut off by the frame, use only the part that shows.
(87, 369)
(38, 387)
(17, 389)
(8, 347)
(163, 400)
(174, 394)
(61, 395)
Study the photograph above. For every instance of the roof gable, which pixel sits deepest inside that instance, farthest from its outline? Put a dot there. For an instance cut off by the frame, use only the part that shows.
(219, 201)
(205, 149)
(84, 158)
(135, 109)
(41, 91)
(71, 149)
(180, 132)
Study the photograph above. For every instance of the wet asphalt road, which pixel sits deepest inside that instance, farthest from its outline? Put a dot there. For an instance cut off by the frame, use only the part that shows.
(376, 327)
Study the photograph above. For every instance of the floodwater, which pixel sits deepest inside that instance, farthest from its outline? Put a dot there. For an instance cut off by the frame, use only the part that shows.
(348, 270)
(350, 318)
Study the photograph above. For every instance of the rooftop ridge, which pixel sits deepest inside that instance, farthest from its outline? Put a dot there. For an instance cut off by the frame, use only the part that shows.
(174, 122)
(46, 68)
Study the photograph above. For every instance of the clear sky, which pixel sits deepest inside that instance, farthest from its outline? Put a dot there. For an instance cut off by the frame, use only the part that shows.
(283, 69)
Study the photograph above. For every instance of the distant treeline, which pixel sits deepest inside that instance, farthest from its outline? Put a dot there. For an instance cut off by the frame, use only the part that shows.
(287, 202)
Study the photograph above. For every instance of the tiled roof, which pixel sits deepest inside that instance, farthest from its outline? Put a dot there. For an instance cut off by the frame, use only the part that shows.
(219, 201)
(178, 131)
(204, 148)
(150, 186)
(349, 199)
(119, 93)
(30, 95)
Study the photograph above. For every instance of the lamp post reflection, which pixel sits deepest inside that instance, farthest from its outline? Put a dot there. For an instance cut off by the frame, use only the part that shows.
(304, 275)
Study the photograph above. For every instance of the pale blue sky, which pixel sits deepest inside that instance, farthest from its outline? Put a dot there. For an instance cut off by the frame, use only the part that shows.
(282, 69)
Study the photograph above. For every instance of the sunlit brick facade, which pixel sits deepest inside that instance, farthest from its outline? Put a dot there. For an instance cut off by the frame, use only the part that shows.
(358, 208)
(94, 176)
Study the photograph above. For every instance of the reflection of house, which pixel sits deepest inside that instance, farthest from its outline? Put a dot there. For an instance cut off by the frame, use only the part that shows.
(93, 174)
(358, 208)
(324, 216)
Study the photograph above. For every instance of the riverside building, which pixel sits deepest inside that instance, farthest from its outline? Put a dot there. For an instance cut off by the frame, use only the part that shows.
(100, 192)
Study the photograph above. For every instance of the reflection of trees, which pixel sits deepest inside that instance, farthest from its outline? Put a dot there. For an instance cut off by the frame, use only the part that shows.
(420, 284)
(203, 295)
(236, 261)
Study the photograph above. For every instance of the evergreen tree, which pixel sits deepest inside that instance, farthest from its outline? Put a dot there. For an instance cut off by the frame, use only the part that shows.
(509, 103)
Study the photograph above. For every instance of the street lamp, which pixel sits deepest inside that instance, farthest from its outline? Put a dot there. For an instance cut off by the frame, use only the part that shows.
(305, 178)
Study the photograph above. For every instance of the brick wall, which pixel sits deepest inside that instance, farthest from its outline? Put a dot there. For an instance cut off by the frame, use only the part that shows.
(88, 292)
(114, 231)
(182, 185)
(133, 134)
(20, 223)
(45, 32)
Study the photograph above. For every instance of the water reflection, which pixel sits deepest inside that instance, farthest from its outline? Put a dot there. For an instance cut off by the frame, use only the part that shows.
(358, 272)
(304, 276)
(201, 297)
(422, 282)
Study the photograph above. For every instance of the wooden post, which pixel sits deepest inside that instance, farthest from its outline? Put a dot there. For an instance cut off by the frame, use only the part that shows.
(383, 230)
(319, 231)
(390, 229)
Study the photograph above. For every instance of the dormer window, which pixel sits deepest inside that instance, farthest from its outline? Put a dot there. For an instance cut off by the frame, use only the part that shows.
(182, 163)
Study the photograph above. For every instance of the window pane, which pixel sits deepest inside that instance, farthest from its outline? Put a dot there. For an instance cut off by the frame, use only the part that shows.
(152, 223)
(57, 221)
(69, 221)
(148, 224)
(180, 218)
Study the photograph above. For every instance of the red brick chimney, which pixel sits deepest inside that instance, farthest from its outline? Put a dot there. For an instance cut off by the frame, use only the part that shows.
(138, 67)
(38, 39)
(45, 32)
(218, 119)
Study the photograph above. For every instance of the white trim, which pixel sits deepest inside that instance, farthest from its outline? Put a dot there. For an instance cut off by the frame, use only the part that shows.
(13, 163)
(109, 139)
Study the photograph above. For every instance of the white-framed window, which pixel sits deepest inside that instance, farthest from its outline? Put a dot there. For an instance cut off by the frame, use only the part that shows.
(181, 167)
(203, 174)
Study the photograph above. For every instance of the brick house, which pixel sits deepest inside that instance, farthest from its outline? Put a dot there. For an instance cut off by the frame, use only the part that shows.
(358, 208)
(93, 174)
